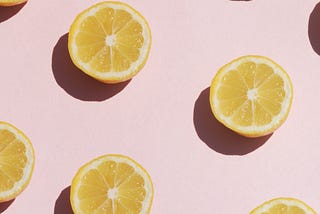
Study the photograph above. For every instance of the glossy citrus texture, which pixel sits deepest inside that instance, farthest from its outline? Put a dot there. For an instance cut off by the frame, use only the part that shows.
(110, 41)
(283, 206)
(11, 2)
(251, 95)
(111, 184)
(16, 161)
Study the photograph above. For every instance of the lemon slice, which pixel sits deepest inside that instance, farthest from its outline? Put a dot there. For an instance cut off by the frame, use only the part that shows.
(11, 2)
(16, 161)
(111, 184)
(251, 95)
(110, 41)
(283, 206)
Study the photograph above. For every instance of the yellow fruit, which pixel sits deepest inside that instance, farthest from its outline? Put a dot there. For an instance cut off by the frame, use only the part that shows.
(251, 95)
(11, 2)
(283, 206)
(16, 161)
(111, 184)
(110, 41)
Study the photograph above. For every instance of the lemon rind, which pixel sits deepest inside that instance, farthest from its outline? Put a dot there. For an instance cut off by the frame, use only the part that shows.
(7, 3)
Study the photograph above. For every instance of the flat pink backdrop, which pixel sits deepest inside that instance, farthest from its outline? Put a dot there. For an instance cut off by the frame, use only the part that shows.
(161, 118)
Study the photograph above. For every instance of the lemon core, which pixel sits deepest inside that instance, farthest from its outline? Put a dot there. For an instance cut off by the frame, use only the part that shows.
(252, 94)
(110, 40)
(112, 193)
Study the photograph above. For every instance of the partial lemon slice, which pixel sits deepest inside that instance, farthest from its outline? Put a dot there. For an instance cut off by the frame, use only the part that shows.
(283, 206)
(110, 41)
(11, 2)
(251, 95)
(16, 161)
(111, 184)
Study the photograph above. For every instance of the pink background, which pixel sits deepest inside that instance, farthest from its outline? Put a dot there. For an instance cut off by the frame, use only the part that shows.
(161, 118)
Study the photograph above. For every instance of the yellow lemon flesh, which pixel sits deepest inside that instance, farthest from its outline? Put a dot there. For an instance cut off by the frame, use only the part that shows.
(16, 161)
(110, 41)
(251, 95)
(111, 184)
(283, 206)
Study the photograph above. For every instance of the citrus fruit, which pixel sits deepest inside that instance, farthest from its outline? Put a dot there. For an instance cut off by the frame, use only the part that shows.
(283, 206)
(11, 2)
(111, 184)
(110, 41)
(16, 161)
(251, 95)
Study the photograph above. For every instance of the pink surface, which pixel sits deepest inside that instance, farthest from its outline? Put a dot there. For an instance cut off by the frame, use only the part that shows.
(161, 118)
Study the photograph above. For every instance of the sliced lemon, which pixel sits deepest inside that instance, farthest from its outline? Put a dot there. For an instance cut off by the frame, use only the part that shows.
(11, 2)
(251, 95)
(110, 41)
(283, 206)
(111, 184)
(16, 161)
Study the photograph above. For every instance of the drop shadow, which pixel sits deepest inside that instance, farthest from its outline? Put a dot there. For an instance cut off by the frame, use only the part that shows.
(5, 205)
(63, 205)
(74, 81)
(217, 136)
(314, 29)
(8, 12)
